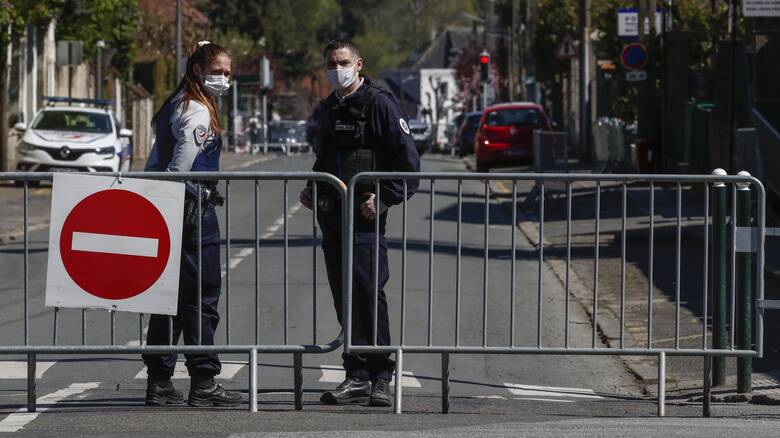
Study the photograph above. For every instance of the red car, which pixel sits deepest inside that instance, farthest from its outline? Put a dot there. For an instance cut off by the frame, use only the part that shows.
(506, 132)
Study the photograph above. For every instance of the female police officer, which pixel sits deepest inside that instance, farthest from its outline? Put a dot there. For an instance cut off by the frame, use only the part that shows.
(188, 139)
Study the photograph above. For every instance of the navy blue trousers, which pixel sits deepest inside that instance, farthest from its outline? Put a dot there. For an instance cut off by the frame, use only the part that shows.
(186, 321)
(365, 366)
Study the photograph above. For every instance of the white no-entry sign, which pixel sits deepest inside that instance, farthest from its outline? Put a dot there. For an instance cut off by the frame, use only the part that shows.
(114, 245)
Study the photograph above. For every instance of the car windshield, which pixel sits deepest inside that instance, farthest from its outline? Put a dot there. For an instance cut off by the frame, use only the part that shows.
(283, 131)
(77, 121)
(513, 117)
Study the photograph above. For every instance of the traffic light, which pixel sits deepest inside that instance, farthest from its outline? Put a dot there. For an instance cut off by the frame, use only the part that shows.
(484, 65)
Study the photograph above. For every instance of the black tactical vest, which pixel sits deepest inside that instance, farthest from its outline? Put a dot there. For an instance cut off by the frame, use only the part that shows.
(344, 145)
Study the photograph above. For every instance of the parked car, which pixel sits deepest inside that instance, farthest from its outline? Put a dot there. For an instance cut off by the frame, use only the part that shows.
(467, 131)
(73, 138)
(288, 133)
(421, 132)
(505, 133)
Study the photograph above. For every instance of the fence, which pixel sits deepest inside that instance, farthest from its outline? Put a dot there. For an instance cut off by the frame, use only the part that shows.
(24, 346)
(725, 270)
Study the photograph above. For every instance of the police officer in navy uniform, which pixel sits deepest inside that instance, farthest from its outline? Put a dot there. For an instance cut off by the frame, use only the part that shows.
(360, 128)
(188, 138)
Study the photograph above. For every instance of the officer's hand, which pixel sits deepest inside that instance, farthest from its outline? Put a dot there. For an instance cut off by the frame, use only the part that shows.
(368, 208)
(305, 198)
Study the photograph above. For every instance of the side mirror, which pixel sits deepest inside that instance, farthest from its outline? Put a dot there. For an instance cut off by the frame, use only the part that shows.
(124, 132)
(21, 127)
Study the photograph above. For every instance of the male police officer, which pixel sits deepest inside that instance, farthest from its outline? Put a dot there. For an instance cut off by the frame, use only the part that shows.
(360, 128)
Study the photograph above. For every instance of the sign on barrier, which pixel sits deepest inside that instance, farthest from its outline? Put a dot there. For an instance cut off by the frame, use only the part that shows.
(114, 244)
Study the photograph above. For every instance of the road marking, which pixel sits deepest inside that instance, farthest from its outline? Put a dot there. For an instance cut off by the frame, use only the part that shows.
(543, 399)
(551, 391)
(21, 418)
(336, 374)
(229, 370)
(252, 162)
(18, 369)
(269, 232)
(114, 244)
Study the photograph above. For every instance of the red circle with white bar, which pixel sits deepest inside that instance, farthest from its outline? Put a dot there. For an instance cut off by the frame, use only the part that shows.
(115, 244)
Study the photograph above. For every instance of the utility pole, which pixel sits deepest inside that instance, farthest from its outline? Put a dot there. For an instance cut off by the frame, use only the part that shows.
(732, 84)
(584, 64)
(512, 49)
(99, 69)
(179, 73)
(646, 104)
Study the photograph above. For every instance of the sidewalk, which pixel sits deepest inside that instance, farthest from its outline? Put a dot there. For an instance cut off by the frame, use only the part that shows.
(684, 374)
(12, 198)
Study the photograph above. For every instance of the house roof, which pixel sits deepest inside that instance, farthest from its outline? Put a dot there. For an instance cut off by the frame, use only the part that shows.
(443, 51)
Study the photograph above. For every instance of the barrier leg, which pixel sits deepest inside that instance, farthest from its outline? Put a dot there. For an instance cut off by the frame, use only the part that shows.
(399, 370)
(445, 383)
(298, 377)
(253, 380)
(31, 382)
(707, 398)
(661, 384)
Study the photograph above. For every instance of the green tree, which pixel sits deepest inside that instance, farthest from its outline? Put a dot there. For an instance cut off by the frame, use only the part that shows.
(114, 21)
(14, 14)
(297, 30)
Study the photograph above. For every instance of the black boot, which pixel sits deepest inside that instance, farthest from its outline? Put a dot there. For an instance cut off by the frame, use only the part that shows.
(380, 394)
(205, 392)
(160, 392)
(351, 390)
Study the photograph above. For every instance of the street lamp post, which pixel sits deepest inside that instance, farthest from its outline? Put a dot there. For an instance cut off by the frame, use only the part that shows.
(99, 69)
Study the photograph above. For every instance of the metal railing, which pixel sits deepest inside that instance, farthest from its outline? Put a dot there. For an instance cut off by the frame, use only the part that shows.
(480, 185)
(24, 347)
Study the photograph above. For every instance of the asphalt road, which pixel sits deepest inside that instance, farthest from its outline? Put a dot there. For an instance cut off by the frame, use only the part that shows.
(491, 395)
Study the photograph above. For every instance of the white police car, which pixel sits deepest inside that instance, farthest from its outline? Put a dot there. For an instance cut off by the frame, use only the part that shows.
(73, 138)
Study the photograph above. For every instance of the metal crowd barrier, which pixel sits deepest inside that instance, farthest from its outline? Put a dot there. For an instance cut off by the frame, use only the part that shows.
(297, 350)
(652, 182)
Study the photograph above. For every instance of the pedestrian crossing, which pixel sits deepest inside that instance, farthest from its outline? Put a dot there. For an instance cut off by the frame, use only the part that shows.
(234, 372)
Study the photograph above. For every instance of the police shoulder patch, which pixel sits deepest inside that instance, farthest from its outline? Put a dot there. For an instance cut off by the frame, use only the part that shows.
(200, 134)
(404, 126)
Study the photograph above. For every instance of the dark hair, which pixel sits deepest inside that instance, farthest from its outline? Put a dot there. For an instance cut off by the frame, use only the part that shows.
(341, 44)
(202, 54)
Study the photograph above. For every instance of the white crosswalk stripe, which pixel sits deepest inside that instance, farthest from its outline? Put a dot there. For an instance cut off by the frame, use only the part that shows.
(17, 420)
(18, 369)
(550, 391)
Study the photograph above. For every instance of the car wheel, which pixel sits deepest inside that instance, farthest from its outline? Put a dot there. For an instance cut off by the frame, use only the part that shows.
(482, 167)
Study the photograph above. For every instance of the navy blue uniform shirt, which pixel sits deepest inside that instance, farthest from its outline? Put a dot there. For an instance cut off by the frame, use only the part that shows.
(388, 131)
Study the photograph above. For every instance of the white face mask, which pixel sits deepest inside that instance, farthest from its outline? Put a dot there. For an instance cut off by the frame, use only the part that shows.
(340, 78)
(216, 85)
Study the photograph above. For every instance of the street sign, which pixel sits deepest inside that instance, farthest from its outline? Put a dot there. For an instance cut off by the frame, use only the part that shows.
(636, 75)
(628, 22)
(114, 245)
(566, 50)
(266, 74)
(69, 53)
(761, 8)
(633, 56)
